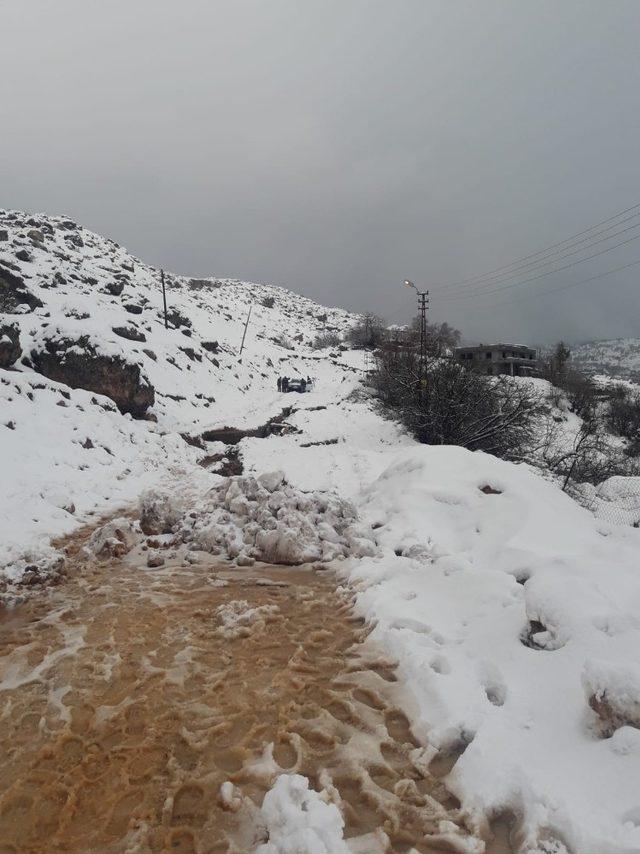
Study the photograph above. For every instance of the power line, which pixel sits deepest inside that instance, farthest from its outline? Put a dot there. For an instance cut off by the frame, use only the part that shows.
(544, 251)
(540, 276)
(561, 287)
(538, 265)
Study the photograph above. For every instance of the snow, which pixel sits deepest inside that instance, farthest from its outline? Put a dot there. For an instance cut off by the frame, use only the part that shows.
(513, 613)
(266, 519)
(299, 820)
(619, 357)
(458, 621)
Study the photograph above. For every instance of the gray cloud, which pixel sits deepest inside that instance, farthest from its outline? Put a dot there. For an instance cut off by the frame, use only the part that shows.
(337, 146)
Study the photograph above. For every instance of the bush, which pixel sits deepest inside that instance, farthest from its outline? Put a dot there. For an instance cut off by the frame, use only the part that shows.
(326, 339)
(457, 406)
(623, 416)
(268, 302)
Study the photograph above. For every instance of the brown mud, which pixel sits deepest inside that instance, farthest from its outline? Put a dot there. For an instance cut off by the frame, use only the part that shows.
(129, 695)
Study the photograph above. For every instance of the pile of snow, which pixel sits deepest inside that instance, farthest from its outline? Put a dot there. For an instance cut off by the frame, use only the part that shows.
(299, 820)
(496, 593)
(31, 568)
(246, 519)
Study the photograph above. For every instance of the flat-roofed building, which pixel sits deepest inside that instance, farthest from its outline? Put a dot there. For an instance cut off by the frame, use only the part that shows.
(516, 360)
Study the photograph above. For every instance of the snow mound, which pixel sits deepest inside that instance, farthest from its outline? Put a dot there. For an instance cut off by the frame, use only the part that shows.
(112, 540)
(506, 609)
(613, 692)
(33, 568)
(266, 519)
(300, 820)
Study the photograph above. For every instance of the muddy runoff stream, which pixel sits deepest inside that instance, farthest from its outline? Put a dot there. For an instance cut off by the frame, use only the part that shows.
(129, 696)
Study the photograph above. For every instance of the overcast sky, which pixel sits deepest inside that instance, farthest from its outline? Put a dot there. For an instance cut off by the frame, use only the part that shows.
(336, 147)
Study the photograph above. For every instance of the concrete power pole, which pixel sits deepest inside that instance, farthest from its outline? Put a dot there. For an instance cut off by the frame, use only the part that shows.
(423, 305)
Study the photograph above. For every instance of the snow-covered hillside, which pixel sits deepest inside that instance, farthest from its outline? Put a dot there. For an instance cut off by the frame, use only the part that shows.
(619, 357)
(89, 317)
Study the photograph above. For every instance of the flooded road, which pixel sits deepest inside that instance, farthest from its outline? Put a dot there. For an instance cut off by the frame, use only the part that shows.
(129, 695)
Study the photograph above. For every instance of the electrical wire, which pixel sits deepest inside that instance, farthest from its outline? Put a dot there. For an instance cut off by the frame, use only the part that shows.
(546, 250)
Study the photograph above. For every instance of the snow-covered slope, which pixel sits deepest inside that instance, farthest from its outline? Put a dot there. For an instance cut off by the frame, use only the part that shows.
(619, 357)
(67, 452)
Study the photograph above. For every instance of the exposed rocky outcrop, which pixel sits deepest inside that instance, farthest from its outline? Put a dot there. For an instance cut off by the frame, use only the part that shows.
(76, 363)
(14, 293)
(10, 350)
(131, 333)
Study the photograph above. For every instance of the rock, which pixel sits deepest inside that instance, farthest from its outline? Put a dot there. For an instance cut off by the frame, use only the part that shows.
(132, 308)
(114, 539)
(36, 235)
(154, 560)
(211, 346)
(114, 288)
(151, 355)
(74, 240)
(158, 512)
(24, 255)
(177, 319)
(4, 234)
(10, 350)
(245, 560)
(131, 333)
(76, 363)
(190, 353)
(13, 293)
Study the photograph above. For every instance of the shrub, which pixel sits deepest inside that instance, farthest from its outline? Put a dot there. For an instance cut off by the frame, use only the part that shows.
(456, 406)
(326, 339)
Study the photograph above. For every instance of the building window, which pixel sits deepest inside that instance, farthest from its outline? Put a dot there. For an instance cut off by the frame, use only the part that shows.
(488, 355)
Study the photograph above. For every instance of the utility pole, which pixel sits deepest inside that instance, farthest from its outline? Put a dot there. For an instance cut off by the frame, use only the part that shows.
(423, 305)
(245, 328)
(164, 299)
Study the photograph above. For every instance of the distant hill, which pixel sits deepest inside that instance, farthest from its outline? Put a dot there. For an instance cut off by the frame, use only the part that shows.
(618, 357)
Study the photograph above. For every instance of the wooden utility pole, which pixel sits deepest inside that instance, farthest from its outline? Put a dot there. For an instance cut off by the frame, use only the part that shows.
(245, 328)
(164, 299)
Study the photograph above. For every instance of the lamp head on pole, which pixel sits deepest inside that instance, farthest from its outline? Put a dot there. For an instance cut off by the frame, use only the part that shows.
(410, 284)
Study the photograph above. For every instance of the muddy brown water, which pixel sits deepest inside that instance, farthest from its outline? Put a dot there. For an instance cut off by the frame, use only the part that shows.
(125, 704)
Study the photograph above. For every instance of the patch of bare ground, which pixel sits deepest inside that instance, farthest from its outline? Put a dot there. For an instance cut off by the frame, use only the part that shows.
(128, 696)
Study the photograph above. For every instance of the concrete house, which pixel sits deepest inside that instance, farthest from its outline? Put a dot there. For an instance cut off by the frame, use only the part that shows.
(513, 359)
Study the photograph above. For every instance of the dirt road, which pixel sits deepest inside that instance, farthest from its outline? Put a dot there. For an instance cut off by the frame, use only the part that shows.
(129, 695)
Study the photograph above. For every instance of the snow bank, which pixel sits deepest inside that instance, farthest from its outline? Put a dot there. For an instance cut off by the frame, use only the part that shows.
(265, 518)
(496, 593)
(300, 820)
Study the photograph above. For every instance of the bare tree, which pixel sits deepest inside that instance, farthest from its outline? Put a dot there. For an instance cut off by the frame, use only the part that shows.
(457, 406)
(441, 337)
